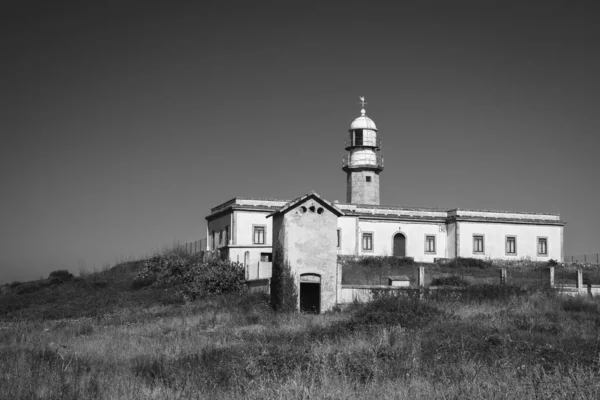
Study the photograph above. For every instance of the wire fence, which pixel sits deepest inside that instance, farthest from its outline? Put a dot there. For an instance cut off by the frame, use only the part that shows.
(590, 258)
(193, 247)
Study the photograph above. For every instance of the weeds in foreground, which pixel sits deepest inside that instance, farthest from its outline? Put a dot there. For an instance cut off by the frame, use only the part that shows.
(507, 345)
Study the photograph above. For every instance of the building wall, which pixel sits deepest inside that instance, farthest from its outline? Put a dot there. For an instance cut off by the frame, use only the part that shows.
(308, 242)
(348, 226)
(383, 238)
(495, 240)
(218, 225)
(358, 190)
(244, 222)
(451, 240)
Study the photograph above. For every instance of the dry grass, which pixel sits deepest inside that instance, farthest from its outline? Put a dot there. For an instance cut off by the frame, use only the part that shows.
(530, 346)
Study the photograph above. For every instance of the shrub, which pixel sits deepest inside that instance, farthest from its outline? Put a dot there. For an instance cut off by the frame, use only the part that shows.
(453, 280)
(213, 277)
(55, 280)
(15, 284)
(461, 262)
(62, 274)
(284, 293)
(196, 277)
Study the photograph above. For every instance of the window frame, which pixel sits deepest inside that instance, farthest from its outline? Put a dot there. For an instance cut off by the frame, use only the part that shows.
(482, 236)
(264, 236)
(339, 238)
(434, 237)
(506, 238)
(362, 242)
(539, 239)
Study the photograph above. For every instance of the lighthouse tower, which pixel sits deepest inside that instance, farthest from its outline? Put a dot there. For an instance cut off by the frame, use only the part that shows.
(364, 161)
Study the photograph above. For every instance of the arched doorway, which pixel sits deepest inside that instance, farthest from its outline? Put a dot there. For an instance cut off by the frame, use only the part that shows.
(310, 293)
(399, 245)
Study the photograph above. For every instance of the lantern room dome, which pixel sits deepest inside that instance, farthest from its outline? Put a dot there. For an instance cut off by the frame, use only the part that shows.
(363, 122)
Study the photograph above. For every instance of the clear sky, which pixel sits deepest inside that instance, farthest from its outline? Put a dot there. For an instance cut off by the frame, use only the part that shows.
(124, 123)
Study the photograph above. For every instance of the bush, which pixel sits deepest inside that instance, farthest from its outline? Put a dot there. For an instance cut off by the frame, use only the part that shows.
(378, 262)
(461, 262)
(55, 280)
(284, 293)
(453, 280)
(213, 277)
(196, 277)
(62, 274)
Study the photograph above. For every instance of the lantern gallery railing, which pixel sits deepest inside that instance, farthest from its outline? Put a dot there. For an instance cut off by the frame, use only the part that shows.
(358, 161)
(362, 142)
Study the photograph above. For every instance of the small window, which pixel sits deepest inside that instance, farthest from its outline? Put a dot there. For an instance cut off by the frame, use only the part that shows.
(259, 235)
(358, 137)
(478, 244)
(227, 235)
(367, 241)
(266, 257)
(542, 246)
(213, 240)
(511, 245)
(339, 238)
(368, 179)
(220, 238)
(430, 244)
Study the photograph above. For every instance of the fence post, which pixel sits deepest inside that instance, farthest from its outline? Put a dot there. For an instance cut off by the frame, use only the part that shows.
(549, 281)
(503, 276)
(579, 279)
(421, 281)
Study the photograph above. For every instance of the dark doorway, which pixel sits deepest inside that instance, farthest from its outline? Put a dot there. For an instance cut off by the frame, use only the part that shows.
(399, 245)
(310, 293)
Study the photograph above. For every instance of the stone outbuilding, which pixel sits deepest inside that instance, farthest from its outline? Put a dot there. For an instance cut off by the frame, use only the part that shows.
(305, 236)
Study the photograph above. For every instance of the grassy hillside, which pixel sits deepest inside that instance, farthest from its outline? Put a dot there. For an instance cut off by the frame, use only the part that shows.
(86, 340)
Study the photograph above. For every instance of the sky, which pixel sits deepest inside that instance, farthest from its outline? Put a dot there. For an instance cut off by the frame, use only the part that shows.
(123, 123)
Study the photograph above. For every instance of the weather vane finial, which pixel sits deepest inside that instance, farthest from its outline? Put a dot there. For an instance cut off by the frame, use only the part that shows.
(362, 103)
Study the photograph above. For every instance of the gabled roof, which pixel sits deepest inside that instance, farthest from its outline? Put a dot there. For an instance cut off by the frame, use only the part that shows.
(312, 195)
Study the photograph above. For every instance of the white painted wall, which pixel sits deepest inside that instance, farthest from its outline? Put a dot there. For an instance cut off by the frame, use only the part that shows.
(244, 220)
(383, 237)
(451, 240)
(495, 240)
(218, 225)
(348, 226)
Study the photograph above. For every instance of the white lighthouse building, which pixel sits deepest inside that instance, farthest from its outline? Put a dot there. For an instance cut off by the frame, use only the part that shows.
(240, 231)
(364, 161)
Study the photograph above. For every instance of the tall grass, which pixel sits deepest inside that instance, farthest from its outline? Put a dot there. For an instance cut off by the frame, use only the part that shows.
(503, 345)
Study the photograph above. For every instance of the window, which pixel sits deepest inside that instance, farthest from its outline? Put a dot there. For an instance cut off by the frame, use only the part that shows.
(542, 246)
(429, 244)
(511, 245)
(477, 243)
(339, 238)
(368, 179)
(227, 235)
(367, 241)
(266, 257)
(213, 240)
(220, 238)
(358, 137)
(259, 235)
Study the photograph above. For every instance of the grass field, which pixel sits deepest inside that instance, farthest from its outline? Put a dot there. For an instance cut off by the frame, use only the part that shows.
(120, 343)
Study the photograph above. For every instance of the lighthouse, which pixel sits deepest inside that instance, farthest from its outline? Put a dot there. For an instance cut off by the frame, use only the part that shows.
(363, 163)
